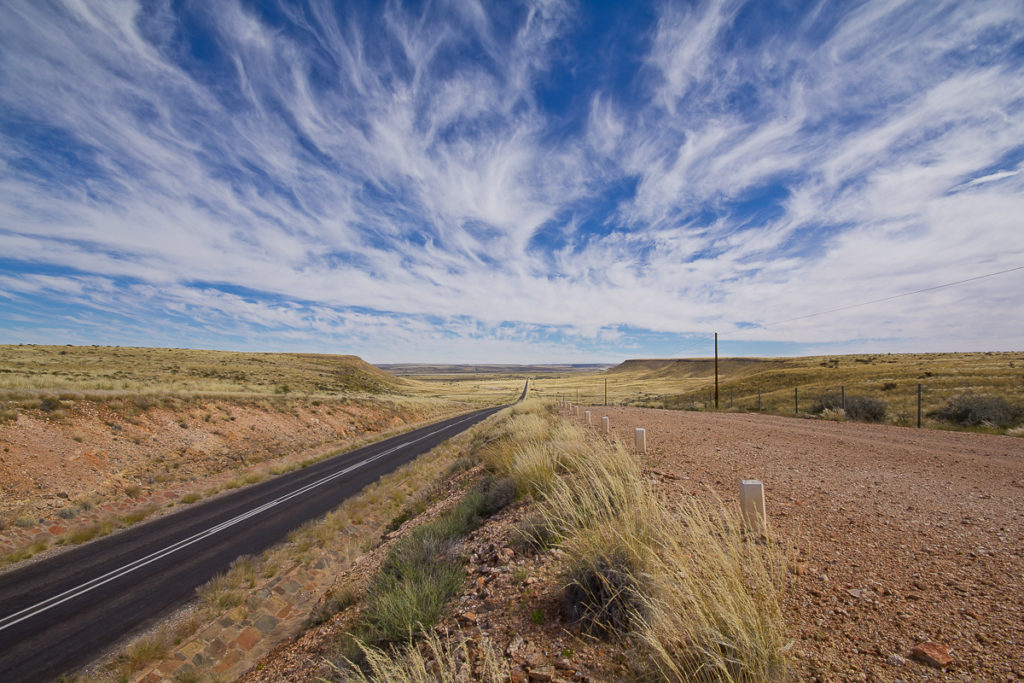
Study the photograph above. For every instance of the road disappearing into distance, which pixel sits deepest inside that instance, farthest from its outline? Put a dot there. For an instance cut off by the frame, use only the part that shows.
(59, 613)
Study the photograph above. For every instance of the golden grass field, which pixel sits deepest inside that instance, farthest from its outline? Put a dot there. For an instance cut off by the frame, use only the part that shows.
(686, 383)
(30, 372)
(91, 369)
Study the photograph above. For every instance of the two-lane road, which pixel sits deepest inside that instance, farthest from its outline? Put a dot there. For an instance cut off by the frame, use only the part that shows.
(58, 613)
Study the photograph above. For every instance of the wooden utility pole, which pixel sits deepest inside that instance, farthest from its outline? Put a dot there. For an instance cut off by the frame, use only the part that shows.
(606, 391)
(716, 371)
(919, 407)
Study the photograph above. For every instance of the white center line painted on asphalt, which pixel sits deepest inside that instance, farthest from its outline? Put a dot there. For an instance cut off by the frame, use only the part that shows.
(72, 593)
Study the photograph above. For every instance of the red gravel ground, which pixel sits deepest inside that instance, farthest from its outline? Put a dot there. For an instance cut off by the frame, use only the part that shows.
(896, 536)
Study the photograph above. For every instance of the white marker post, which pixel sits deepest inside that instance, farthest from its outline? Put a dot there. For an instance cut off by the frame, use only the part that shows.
(586, 416)
(605, 426)
(640, 439)
(752, 504)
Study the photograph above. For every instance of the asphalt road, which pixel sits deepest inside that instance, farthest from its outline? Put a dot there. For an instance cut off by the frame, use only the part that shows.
(58, 613)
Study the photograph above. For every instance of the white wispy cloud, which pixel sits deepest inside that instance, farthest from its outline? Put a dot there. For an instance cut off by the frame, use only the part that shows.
(395, 180)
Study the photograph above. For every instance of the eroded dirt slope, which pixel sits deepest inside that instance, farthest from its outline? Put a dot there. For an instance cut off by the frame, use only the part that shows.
(93, 450)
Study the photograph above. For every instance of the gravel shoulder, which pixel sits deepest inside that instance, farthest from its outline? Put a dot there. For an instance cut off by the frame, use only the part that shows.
(893, 537)
(896, 536)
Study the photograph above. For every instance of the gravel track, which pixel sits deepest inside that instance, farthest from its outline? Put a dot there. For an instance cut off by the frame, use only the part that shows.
(896, 536)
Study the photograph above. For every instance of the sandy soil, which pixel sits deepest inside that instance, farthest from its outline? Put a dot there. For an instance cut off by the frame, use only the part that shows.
(898, 536)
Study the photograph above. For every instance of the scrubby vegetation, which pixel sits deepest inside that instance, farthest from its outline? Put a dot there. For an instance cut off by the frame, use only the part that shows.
(970, 410)
(862, 408)
(424, 568)
(697, 594)
(767, 384)
(698, 591)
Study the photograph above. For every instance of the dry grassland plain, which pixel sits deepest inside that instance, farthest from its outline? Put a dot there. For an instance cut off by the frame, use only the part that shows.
(892, 378)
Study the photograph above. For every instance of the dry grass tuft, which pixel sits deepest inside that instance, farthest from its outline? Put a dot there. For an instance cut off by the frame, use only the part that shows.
(698, 592)
(715, 611)
(227, 590)
(451, 659)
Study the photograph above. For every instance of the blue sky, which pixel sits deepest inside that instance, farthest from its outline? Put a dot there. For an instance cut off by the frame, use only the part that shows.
(512, 181)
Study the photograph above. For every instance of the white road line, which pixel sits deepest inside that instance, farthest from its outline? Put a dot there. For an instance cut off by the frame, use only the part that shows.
(81, 589)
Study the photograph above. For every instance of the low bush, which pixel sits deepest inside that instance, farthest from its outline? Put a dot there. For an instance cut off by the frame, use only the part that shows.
(863, 408)
(80, 535)
(602, 593)
(971, 410)
(136, 516)
(50, 404)
(404, 602)
(495, 494)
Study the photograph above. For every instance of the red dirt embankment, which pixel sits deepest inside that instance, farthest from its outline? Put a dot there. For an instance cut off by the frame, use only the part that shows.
(898, 536)
(89, 459)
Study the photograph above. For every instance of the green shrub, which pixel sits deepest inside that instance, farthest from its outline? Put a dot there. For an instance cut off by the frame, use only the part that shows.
(863, 408)
(402, 605)
(970, 410)
(423, 569)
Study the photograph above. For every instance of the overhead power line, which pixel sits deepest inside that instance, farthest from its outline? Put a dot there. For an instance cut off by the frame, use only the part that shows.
(894, 296)
(700, 341)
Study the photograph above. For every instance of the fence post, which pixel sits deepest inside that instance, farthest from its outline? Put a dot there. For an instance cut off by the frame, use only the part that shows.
(919, 406)
(796, 402)
(605, 427)
(752, 504)
(842, 392)
(730, 398)
(759, 399)
(640, 439)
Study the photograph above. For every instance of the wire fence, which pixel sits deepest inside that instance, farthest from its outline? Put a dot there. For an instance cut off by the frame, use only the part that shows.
(906, 404)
